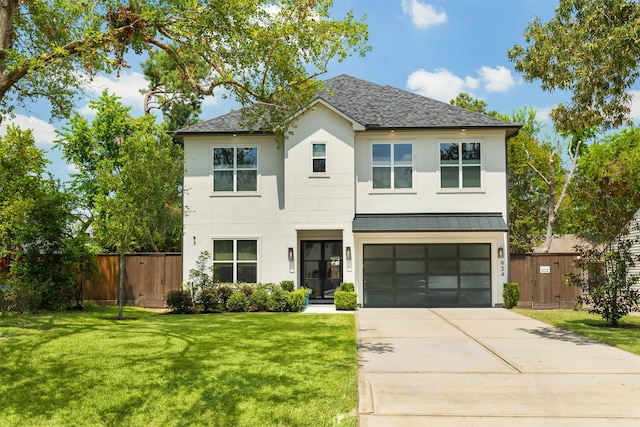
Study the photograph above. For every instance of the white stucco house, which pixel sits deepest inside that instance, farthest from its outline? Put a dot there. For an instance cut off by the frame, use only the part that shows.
(402, 195)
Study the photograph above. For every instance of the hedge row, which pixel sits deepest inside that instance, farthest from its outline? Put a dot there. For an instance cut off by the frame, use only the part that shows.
(238, 297)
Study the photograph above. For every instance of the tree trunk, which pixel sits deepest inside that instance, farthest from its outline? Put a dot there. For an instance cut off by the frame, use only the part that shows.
(121, 284)
(551, 205)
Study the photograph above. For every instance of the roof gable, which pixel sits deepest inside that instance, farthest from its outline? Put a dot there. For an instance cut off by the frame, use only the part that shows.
(373, 106)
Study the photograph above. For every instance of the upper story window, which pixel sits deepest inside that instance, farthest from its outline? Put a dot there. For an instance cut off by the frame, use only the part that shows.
(319, 156)
(392, 165)
(235, 169)
(460, 165)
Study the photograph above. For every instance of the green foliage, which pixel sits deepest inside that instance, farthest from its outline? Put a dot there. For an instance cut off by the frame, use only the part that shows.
(573, 52)
(246, 289)
(511, 294)
(258, 301)
(607, 187)
(209, 300)
(279, 301)
(223, 291)
(236, 46)
(38, 254)
(237, 302)
(608, 285)
(201, 277)
(345, 300)
(347, 287)
(287, 285)
(296, 300)
(179, 301)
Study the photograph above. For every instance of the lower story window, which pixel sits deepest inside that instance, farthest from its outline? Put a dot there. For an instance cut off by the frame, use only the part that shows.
(235, 260)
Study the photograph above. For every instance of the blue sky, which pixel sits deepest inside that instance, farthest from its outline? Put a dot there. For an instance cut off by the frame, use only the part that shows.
(434, 48)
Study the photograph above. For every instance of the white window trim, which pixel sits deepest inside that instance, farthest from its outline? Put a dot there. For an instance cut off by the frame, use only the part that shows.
(460, 189)
(392, 189)
(235, 261)
(326, 159)
(234, 192)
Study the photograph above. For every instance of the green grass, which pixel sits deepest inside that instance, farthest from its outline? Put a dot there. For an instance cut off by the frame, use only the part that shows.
(626, 336)
(249, 369)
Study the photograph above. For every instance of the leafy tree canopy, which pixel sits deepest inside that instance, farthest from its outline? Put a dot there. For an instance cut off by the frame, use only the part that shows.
(266, 52)
(591, 48)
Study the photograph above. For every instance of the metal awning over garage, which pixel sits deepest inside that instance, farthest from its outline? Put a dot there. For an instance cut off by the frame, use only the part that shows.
(368, 223)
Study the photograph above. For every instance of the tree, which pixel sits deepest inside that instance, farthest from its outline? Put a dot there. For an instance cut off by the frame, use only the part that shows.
(466, 101)
(591, 49)
(36, 236)
(267, 53)
(608, 288)
(607, 188)
(179, 104)
(127, 175)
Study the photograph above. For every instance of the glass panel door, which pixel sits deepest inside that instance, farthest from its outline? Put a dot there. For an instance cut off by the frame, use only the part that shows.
(321, 267)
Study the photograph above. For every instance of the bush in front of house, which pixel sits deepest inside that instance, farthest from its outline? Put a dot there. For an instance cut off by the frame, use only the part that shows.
(237, 302)
(246, 289)
(223, 292)
(287, 285)
(347, 287)
(279, 301)
(296, 300)
(179, 301)
(258, 301)
(345, 300)
(511, 294)
(209, 301)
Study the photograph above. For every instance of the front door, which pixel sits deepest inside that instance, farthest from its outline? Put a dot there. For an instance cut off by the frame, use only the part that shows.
(321, 267)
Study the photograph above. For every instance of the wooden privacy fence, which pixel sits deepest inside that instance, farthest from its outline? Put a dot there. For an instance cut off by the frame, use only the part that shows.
(540, 276)
(148, 278)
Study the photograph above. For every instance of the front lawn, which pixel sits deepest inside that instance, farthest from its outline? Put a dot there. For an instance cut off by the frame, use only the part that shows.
(626, 337)
(249, 369)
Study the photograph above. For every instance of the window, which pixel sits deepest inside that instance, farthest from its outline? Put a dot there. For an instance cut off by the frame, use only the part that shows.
(392, 165)
(235, 169)
(319, 157)
(235, 260)
(460, 165)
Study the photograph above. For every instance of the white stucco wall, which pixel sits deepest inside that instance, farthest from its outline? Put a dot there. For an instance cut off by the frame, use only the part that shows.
(293, 203)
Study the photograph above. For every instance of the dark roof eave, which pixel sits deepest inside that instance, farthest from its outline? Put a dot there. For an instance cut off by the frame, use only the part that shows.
(510, 130)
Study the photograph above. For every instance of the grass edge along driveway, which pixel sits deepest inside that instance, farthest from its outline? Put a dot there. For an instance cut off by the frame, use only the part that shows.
(245, 369)
(625, 337)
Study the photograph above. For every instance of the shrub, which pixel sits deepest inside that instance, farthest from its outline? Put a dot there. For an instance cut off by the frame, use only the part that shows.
(246, 289)
(279, 300)
(287, 285)
(511, 294)
(179, 301)
(258, 301)
(345, 300)
(237, 302)
(209, 300)
(296, 300)
(223, 291)
(347, 287)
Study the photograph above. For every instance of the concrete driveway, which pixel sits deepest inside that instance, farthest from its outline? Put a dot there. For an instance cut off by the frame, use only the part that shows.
(488, 367)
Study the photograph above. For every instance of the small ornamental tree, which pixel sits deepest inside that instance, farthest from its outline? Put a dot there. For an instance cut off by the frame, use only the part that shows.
(606, 282)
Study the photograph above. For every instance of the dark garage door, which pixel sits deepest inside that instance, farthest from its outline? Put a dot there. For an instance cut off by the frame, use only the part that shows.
(427, 275)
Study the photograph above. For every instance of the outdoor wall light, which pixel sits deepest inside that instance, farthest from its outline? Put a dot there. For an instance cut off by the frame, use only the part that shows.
(194, 240)
(500, 252)
(348, 253)
(290, 254)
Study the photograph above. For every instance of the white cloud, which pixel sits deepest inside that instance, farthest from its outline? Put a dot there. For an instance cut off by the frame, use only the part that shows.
(635, 105)
(423, 15)
(43, 132)
(498, 79)
(127, 87)
(442, 84)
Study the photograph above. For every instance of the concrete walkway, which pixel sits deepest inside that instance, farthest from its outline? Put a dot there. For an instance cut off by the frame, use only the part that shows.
(488, 367)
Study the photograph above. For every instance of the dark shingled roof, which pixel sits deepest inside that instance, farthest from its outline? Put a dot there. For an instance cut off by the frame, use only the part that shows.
(376, 107)
(363, 223)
